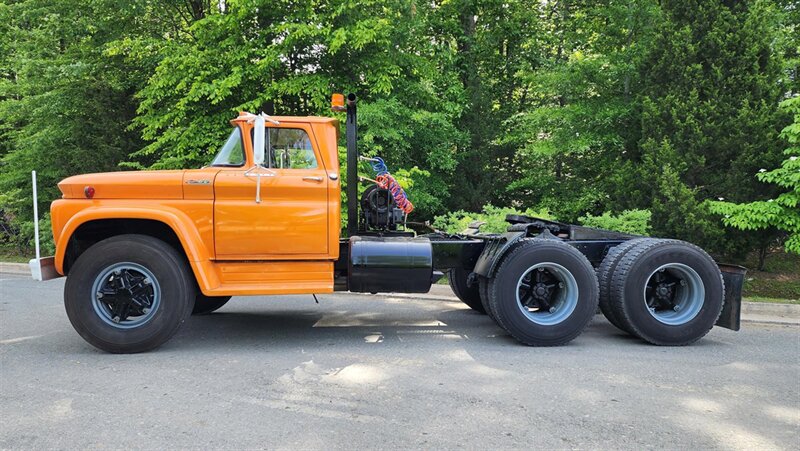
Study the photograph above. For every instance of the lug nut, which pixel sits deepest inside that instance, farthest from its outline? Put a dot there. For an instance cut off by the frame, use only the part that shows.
(99, 295)
(552, 309)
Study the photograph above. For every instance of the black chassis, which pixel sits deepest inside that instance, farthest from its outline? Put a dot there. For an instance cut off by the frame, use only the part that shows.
(480, 254)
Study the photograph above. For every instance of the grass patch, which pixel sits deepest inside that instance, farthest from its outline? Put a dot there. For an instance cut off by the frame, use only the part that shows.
(779, 282)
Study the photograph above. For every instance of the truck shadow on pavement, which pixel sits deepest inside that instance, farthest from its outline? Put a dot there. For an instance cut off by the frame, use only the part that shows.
(291, 328)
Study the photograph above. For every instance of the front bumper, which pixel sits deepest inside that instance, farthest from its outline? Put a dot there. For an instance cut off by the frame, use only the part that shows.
(43, 268)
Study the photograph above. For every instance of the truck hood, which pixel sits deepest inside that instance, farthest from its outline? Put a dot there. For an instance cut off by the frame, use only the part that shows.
(125, 185)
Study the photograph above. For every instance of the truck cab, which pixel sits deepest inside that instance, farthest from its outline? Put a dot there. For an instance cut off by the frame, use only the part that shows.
(282, 213)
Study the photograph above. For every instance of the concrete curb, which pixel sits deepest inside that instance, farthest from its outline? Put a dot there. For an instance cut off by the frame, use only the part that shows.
(15, 268)
(752, 312)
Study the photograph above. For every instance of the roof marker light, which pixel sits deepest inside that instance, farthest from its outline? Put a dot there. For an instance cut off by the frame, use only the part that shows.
(337, 102)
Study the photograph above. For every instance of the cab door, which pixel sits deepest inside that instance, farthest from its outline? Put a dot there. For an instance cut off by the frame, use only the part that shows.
(288, 217)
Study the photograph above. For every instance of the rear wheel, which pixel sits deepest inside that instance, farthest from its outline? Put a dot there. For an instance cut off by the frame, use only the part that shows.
(604, 273)
(667, 292)
(483, 289)
(544, 292)
(206, 304)
(129, 293)
(468, 294)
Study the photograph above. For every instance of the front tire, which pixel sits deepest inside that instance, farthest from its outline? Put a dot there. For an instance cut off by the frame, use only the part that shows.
(129, 293)
(544, 292)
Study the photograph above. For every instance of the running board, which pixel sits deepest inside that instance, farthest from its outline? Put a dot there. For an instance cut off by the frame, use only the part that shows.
(271, 277)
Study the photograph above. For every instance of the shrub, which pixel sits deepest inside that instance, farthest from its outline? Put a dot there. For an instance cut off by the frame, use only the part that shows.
(636, 222)
(494, 217)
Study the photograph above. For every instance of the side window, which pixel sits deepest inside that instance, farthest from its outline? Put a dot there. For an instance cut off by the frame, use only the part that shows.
(290, 148)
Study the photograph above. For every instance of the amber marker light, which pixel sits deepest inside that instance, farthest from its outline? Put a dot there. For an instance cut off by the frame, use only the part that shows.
(337, 102)
(88, 192)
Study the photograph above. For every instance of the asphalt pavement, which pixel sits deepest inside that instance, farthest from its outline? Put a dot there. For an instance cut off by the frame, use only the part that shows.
(385, 372)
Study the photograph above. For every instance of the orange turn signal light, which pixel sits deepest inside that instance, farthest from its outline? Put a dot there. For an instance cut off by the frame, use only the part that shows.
(337, 102)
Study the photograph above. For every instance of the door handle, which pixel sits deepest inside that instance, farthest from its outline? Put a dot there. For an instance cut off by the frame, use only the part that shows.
(312, 179)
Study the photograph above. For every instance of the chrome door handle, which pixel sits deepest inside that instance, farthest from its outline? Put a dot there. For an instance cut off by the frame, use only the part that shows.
(313, 179)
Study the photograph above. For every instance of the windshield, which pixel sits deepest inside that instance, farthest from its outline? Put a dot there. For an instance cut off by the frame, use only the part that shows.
(232, 152)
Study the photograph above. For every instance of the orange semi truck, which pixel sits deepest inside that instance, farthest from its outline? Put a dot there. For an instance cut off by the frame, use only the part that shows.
(142, 251)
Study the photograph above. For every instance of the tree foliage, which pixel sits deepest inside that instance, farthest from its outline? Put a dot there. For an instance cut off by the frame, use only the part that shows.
(597, 111)
(783, 211)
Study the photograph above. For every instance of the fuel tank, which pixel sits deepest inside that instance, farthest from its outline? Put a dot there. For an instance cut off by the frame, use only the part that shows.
(390, 264)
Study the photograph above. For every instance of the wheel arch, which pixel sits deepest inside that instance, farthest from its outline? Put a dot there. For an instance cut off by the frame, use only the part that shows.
(91, 226)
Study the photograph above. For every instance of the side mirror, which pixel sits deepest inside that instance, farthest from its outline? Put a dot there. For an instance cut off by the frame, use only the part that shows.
(259, 132)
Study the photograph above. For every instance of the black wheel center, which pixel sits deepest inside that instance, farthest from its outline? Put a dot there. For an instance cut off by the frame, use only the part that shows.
(537, 289)
(661, 291)
(127, 293)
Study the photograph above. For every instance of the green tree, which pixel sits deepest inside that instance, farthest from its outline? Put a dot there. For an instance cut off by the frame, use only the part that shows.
(573, 137)
(783, 211)
(708, 116)
(66, 96)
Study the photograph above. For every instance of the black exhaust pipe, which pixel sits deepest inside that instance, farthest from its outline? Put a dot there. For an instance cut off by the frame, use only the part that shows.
(352, 166)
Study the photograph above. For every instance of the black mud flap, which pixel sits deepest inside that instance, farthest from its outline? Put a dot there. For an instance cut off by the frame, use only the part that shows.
(495, 247)
(733, 277)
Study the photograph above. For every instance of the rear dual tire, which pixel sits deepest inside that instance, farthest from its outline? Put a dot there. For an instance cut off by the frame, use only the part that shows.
(666, 292)
(544, 292)
(468, 294)
(604, 274)
(204, 305)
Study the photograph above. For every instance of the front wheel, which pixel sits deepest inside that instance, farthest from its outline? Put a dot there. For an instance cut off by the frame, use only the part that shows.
(129, 293)
(544, 292)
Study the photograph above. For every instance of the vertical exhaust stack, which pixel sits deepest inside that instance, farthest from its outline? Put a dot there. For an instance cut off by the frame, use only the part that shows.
(352, 166)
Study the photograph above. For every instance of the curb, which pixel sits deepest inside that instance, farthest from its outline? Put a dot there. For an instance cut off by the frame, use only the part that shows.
(15, 268)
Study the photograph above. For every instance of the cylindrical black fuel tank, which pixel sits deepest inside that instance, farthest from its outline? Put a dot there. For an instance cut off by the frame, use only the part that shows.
(390, 264)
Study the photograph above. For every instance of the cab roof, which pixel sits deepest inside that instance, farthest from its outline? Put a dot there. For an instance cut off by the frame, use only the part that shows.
(302, 119)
